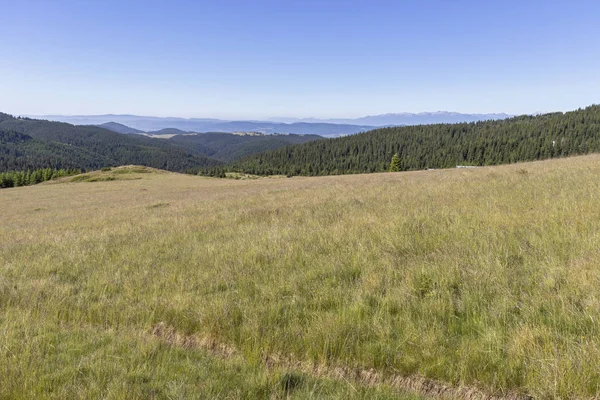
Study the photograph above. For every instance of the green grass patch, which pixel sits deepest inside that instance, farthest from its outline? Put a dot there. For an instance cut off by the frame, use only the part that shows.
(134, 170)
(482, 277)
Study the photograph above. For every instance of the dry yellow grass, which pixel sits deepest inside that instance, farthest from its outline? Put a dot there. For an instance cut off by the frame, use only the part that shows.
(482, 277)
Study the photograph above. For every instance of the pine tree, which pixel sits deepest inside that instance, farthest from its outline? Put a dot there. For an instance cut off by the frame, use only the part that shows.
(395, 165)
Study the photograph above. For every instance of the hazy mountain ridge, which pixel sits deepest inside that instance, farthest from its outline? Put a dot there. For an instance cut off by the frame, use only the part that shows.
(398, 119)
(153, 124)
(312, 126)
(330, 127)
(119, 128)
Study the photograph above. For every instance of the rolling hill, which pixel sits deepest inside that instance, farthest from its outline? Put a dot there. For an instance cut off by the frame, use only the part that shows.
(119, 128)
(29, 143)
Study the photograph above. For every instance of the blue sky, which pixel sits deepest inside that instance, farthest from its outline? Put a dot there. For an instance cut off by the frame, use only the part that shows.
(259, 59)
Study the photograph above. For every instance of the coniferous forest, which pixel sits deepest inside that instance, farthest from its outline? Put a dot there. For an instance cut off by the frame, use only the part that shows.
(523, 138)
(26, 178)
(33, 144)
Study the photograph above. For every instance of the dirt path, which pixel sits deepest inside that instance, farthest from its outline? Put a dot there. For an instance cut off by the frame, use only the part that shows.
(367, 377)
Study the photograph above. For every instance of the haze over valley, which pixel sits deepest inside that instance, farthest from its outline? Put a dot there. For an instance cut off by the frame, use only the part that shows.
(312, 126)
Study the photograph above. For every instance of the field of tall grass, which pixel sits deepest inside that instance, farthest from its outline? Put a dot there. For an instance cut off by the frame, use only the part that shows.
(173, 286)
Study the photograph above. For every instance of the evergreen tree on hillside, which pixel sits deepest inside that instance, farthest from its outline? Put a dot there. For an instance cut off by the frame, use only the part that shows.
(395, 165)
(24, 178)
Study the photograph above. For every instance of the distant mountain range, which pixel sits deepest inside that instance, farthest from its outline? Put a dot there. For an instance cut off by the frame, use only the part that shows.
(400, 119)
(153, 124)
(323, 127)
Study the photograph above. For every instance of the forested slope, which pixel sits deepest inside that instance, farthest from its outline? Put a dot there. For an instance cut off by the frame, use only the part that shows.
(516, 139)
(32, 144)
(19, 152)
(229, 147)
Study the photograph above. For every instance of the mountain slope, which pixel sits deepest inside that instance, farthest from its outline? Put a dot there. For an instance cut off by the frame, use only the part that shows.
(43, 143)
(438, 146)
(19, 152)
(229, 147)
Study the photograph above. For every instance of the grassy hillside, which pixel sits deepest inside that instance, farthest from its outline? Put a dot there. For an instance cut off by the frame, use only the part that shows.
(42, 144)
(523, 138)
(229, 147)
(175, 286)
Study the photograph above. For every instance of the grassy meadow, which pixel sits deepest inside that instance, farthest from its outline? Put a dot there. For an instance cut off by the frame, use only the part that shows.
(146, 284)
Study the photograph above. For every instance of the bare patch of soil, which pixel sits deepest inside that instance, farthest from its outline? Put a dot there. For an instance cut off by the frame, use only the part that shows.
(367, 377)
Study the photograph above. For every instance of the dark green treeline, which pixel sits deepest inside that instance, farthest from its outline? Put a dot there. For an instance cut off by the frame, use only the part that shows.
(523, 138)
(25, 178)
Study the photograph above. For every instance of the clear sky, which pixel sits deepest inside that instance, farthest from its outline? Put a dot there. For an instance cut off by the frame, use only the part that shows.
(259, 59)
